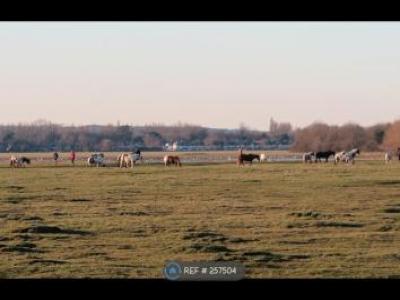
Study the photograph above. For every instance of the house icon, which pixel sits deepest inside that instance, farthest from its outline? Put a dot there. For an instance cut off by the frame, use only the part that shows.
(172, 271)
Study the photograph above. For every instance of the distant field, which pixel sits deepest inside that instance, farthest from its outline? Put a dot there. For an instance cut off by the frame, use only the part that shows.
(280, 219)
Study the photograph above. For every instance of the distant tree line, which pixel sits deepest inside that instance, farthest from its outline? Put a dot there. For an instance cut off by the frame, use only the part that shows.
(323, 137)
(46, 136)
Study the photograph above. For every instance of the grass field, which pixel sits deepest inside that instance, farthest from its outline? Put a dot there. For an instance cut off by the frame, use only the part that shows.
(281, 220)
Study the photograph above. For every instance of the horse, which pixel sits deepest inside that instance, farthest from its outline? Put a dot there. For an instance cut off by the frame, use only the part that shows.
(247, 157)
(136, 157)
(324, 154)
(307, 157)
(349, 156)
(96, 159)
(14, 162)
(172, 160)
(19, 162)
(388, 156)
(263, 157)
(341, 156)
(126, 160)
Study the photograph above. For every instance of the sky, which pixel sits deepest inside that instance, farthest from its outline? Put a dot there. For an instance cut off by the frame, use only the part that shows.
(214, 74)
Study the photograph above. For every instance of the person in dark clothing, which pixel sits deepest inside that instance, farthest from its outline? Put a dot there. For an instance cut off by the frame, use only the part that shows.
(398, 153)
(55, 157)
(72, 157)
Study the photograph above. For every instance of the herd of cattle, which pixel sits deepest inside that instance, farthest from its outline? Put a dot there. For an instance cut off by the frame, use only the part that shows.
(128, 160)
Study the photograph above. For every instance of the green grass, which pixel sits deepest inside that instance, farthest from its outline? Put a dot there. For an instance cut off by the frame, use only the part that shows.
(281, 220)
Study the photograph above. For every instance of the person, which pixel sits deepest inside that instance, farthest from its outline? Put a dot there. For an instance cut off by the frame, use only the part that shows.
(138, 152)
(72, 157)
(55, 157)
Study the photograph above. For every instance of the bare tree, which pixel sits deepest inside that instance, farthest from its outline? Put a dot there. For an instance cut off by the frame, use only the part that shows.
(392, 136)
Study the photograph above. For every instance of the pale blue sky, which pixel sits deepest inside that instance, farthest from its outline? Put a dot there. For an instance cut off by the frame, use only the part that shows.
(217, 74)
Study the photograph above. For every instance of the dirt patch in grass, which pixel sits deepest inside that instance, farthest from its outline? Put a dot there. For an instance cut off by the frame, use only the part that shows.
(298, 225)
(15, 187)
(268, 257)
(207, 248)
(312, 214)
(385, 228)
(136, 213)
(16, 217)
(206, 241)
(317, 214)
(16, 199)
(205, 236)
(263, 256)
(47, 262)
(80, 200)
(388, 182)
(392, 210)
(51, 230)
(32, 218)
(59, 214)
(27, 237)
(240, 240)
(22, 248)
(298, 242)
(338, 224)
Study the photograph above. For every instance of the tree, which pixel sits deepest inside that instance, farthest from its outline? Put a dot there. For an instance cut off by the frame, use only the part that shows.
(392, 136)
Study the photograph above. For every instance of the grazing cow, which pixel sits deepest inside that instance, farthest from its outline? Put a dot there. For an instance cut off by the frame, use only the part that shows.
(323, 154)
(307, 157)
(242, 158)
(96, 159)
(19, 162)
(388, 156)
(172, 160)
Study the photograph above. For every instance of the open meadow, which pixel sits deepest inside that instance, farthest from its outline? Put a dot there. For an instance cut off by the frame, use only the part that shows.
(280, 219)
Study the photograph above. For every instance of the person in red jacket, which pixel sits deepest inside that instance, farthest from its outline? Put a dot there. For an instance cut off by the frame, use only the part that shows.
(72, 157)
